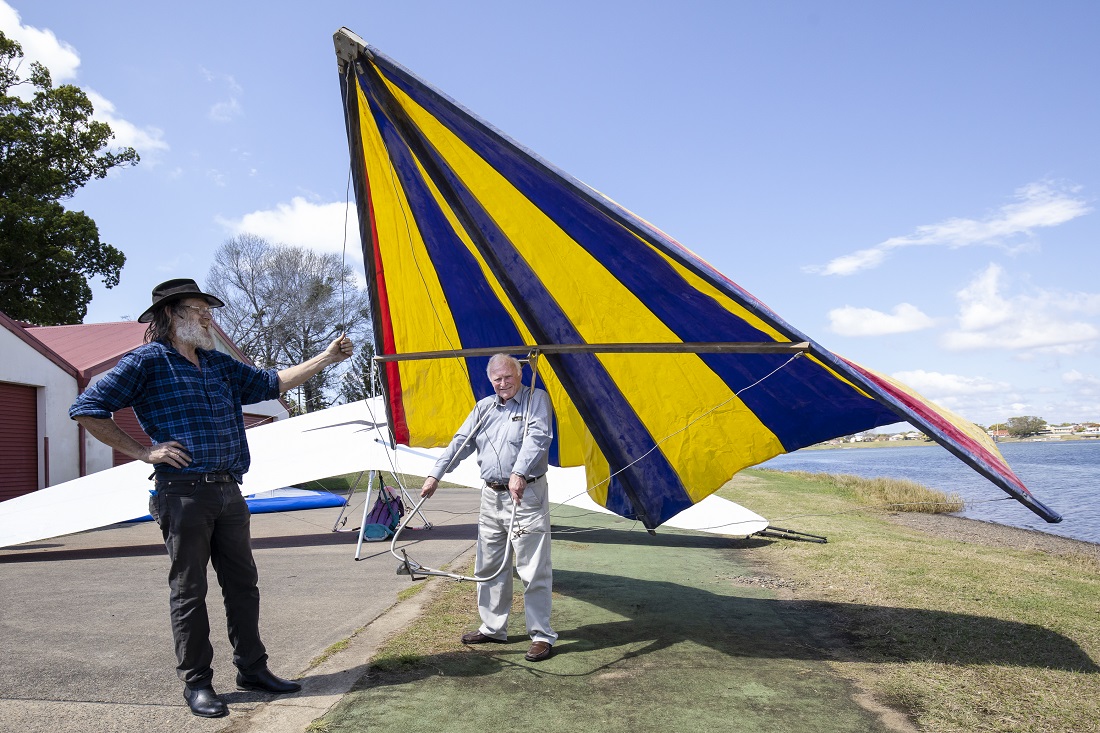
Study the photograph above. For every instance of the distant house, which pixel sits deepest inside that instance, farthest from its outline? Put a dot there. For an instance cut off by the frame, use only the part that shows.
(43, 370)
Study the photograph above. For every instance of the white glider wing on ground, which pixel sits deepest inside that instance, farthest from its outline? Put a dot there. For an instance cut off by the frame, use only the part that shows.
(339, 440)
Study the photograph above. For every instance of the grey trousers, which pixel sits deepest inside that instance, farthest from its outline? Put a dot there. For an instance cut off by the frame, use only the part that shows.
(532, 548)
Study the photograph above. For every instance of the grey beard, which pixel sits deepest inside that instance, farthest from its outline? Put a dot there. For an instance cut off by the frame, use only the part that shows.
(194, 335)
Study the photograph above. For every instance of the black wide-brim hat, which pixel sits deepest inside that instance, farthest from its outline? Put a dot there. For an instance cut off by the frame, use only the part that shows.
(173, 290)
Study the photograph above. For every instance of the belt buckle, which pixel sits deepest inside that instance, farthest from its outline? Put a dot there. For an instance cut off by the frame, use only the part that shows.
(209, 478)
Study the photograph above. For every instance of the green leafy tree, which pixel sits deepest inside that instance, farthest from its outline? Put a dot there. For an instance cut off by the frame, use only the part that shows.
(49, 148)
(362, 379)
(1021, 427)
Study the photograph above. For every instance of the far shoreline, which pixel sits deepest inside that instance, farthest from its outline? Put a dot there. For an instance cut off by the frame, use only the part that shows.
(920, 443)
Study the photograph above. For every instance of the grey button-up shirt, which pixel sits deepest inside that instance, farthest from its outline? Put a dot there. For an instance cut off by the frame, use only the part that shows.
(506, 443)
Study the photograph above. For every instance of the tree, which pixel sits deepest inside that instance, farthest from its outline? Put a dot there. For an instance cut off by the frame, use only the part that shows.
(362, 378)
(284, 304)
(1021, 427)
(49, 148)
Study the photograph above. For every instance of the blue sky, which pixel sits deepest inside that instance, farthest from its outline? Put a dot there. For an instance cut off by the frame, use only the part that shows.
(914, 185)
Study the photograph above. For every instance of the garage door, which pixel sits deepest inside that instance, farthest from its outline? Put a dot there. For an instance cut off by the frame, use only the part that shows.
(18, 440)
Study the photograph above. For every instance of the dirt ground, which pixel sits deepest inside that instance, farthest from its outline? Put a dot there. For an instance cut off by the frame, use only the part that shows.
(994, 535)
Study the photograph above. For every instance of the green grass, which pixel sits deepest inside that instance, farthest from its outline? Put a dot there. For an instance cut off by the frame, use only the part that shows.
(886, 494)
(960, 636)
(963, 637)
(341, 484)
(435, 633)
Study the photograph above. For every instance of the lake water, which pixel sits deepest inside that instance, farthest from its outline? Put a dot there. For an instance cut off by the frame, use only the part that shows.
(1064, 475)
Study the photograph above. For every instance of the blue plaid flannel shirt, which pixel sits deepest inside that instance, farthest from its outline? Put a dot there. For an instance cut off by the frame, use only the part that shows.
(174, 400)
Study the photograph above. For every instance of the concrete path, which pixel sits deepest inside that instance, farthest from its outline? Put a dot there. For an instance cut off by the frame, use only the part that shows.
(85, 642)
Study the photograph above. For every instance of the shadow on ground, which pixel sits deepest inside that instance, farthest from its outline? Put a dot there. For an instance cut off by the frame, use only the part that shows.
(44, 552)
(658, 615)
(661, 632)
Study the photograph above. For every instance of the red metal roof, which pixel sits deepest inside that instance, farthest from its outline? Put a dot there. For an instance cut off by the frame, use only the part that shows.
(19, 329)
(92, 348)
(90, 345)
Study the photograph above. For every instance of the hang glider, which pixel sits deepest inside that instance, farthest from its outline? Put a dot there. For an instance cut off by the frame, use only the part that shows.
(340, 440)
(666, 377)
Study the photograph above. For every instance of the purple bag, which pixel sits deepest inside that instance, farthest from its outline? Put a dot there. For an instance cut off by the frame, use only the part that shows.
(385, 515)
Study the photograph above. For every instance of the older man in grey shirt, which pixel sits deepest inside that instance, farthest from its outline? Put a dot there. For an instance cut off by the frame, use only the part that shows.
(511, 431)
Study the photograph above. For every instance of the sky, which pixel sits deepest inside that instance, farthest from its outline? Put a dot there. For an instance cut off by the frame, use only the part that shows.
(912, 185)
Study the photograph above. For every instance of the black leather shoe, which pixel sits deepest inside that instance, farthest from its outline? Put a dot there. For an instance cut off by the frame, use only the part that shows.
(264, 681)
(205, 703)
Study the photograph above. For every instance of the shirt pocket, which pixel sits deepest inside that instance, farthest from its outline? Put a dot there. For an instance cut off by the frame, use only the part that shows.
(222, 401)
(515, 432)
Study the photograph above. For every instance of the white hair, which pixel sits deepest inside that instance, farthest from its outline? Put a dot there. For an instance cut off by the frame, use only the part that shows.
(502, 359)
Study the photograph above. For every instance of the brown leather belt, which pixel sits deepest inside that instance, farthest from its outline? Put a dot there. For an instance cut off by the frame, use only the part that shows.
(503, 486)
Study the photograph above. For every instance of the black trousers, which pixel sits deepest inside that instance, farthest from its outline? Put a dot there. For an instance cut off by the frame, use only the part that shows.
(209, 524)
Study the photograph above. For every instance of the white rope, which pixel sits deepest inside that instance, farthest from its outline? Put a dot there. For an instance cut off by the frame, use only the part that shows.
(721, 404)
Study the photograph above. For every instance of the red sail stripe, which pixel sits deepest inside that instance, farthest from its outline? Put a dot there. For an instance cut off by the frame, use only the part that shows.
(393, 373)
(976, 449)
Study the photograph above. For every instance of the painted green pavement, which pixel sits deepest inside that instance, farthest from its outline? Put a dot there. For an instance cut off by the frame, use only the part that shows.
(655, 635)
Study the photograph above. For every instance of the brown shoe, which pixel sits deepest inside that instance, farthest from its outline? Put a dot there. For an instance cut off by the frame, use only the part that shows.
(539, 651)
(476, 637)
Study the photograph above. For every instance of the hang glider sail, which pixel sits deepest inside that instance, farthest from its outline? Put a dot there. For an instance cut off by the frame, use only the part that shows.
(473, 244)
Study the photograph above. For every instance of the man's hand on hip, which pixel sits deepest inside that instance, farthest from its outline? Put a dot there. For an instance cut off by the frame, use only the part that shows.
(169, 452)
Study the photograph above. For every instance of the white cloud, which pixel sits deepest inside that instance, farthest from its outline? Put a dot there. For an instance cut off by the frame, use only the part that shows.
(228, 109)
(40, 45)
(937, 383)
(980, 399)
(148, 141)
(217, 176)
(1075, 377)
(1040, 204)
(1043, 320)
(1085, 384)
(304, 224)
(225, 111)
(851, 321)
(63, 61)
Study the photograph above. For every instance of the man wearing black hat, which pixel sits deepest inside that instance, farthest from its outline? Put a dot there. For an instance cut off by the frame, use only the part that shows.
(188, 398)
